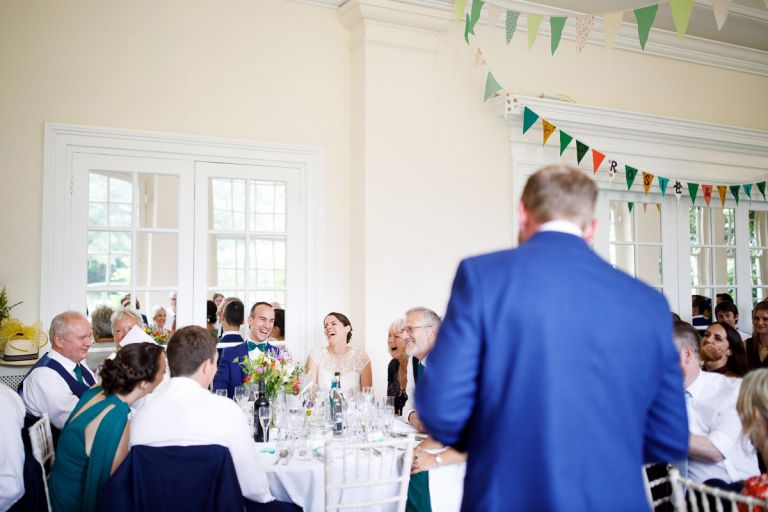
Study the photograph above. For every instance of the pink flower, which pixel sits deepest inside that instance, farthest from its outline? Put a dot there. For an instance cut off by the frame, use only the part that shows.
(259, 370)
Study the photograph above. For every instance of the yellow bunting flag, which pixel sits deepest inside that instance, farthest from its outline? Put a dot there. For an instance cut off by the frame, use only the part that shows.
(707, 189)
(458, 9)
(611, 26)
(647, 181)
(534, 22)
(722, 189)
(549, 129)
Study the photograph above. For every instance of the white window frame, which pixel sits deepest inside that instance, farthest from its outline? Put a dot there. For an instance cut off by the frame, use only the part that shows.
(62, 283)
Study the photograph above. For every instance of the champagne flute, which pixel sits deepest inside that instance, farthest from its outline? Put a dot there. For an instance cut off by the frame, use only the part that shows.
(265, 416)
(221, 392)
(239, 394)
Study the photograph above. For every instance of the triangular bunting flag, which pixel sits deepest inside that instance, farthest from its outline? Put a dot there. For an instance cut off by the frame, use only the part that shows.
(693, 188)
(721, 8)
(663, 182)
(597, 159)
(494, 11)
(467, 29)
(630, 205)
(748, 190)
(512, 17)
(479, 59)
(584, 25)
(612, 169)
(631, 173)
(645, 207)
(557, 23)
(477, 8)
(722, 189)
(491, 87)
(681, 12)
(678, 188)
(581, 150)
(529, 117)
(735, 192)
(549, 128)
(658, 207)
(761, 188)
(645, 17)
(458, 8)
(611, 26)
(647, 181)
(565, 139)
(707, 190)
(534, 22)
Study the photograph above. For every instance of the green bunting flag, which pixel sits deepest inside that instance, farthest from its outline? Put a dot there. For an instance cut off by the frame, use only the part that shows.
(681, 12)
(748, 190)
(663, 182)
(645, 17)
(735, 192)
(491, 87)
(565, 139)
(630, 205)
(477, 7)
(512, 17)
(693, 188)
(581, 150)
(529, 118)
(761, 188)
(467, 30)
(534, 22)
(631, 173)
(557, 23)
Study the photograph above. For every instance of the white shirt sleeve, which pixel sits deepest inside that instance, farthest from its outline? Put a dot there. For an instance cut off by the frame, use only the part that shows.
(252, 478)
(410, 390)
(12, 461)
(45, 391)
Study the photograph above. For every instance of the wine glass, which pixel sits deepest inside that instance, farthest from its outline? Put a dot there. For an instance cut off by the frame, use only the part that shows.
(221, 392)
(265, 416)
(239, 394)
(389, 401)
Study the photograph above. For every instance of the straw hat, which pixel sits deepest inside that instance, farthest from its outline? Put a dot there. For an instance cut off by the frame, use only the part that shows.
(21, 343)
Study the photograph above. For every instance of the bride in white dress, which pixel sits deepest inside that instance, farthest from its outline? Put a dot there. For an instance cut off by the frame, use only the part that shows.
(353, 364)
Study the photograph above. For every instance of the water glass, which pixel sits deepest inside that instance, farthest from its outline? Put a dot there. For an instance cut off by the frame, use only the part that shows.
(240, 395)
(387, 415)
(221, 392)
(389, 401)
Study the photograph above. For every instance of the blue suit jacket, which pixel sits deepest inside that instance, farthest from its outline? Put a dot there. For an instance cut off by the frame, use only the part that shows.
(230, 374)
(580, 382)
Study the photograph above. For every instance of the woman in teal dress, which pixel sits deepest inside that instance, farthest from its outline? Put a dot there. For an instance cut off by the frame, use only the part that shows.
(94, 440)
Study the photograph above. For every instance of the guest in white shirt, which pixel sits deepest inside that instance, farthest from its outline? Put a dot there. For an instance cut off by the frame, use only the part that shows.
(12, 461)
(716, 448)
(187, 414)
(56, 382)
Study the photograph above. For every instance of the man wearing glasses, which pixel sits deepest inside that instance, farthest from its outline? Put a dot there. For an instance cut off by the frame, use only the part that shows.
(421, 325)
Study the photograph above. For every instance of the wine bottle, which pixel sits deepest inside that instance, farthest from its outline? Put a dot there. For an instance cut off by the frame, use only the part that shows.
(258, 434)
(337, 407)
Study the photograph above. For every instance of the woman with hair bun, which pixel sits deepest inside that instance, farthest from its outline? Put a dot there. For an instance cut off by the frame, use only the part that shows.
(94, 440)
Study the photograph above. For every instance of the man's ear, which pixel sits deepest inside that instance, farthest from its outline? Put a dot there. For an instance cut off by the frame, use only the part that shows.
(590, 230)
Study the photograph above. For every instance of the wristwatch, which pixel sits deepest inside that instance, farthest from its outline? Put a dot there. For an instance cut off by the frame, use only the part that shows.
(438, 460)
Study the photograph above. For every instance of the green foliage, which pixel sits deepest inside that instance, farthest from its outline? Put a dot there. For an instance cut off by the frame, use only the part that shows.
(5, 309)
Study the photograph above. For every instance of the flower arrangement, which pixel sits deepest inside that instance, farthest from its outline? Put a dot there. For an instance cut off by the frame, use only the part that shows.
(5, 309)
(161, 337)
(278, 371)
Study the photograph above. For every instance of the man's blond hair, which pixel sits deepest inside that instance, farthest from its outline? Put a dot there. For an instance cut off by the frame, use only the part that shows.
(560, 192)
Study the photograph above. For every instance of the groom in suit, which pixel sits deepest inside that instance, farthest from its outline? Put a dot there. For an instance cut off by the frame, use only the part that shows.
(229, 374)
(556, 401)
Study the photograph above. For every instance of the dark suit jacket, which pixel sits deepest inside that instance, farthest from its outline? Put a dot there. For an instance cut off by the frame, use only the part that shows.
(580, 381)
(230, 374)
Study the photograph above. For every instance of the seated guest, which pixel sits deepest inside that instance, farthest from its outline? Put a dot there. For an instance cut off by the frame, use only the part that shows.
(230, 374)
(95, 439)
(232, 317)
(728, 312)
(125, 302)
(723, 297)
(397, 371)
(159, 316)
(757, 345)
(187, 414)
(59, 379)
(753, 412)
(353, 365)
(278, 331)
(123, 321)
(210, 318)
(101, 323)
(715, 448)
(12, 462)
(722, 350)
(699, 307)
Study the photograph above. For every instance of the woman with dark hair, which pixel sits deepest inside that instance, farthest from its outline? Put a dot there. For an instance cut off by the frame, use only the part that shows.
(757, 345)
(353, 365)
(94, 440)
(722, 350)
(210, 318)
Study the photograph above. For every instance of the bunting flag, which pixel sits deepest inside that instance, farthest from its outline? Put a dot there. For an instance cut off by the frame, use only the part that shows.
(581, 150)
(549, 128)
(681, 13)
(630, 205)
(467, 30)
(479, 59)
(721, 8)
(612, 170)
(693, 188)
(707, 190)
(645, 207)
(584, 26)
(472, 18)
(663, 182)
(512, 17)
(598, 157)
(735, 193)
(658, 207)
(748, 190)
(534, 22)
(678, 188)
(492, 87)
(529, 117)
(631, 173)
(557, 23)
(458, 9)
(647, 181)
(645, 17)
(565, 139)
(722, 189)
(761, 184)
(494, 12)
(611, 25)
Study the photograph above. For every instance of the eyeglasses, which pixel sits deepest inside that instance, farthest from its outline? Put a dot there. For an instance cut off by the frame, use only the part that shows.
(410, 329)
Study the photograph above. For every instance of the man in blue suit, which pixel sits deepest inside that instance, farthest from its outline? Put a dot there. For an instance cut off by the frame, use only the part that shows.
(232, 317)
(229, 373)
(560, 398)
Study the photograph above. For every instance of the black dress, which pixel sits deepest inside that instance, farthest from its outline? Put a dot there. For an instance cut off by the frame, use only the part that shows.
(393, 386)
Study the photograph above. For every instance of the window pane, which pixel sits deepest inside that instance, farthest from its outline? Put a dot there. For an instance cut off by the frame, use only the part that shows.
(97, 187)
(649, 264)
(267, 198)
(723, 224)
(98, 241)
(226, 204)
(725, 266)
(226, 257)
(620, 222)
(280, 198)
(700, 225)
(159, 201)
(648, 224)
(623, 257)
(120, 187)
(97, 215)
(758, 229)
(759, 295)
(120, 270)
(120, 215)
(120, 241)
(701, 266)
(97, 269)
(759, 266)
(156, 259)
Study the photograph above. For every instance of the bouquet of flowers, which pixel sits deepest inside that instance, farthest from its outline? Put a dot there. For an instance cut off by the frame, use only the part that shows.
(278, 371)
(161, 337)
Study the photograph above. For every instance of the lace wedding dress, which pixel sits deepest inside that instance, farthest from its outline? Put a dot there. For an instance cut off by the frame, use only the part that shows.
(349, 364)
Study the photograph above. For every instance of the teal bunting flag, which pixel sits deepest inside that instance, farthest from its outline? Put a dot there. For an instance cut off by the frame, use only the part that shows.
(663, 182)
(557, 23)
(735, 192)
(748, 190)
(631, 206)
(631, 173)
(565, 139)
(761, 188)
(529, 118)
(512, 17)
(491, 87)
(693, 189)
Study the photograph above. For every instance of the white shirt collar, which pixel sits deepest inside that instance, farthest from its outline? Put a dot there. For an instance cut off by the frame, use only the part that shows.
(230, 332)
(699, 384)
(67, 363)
(562, 226)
